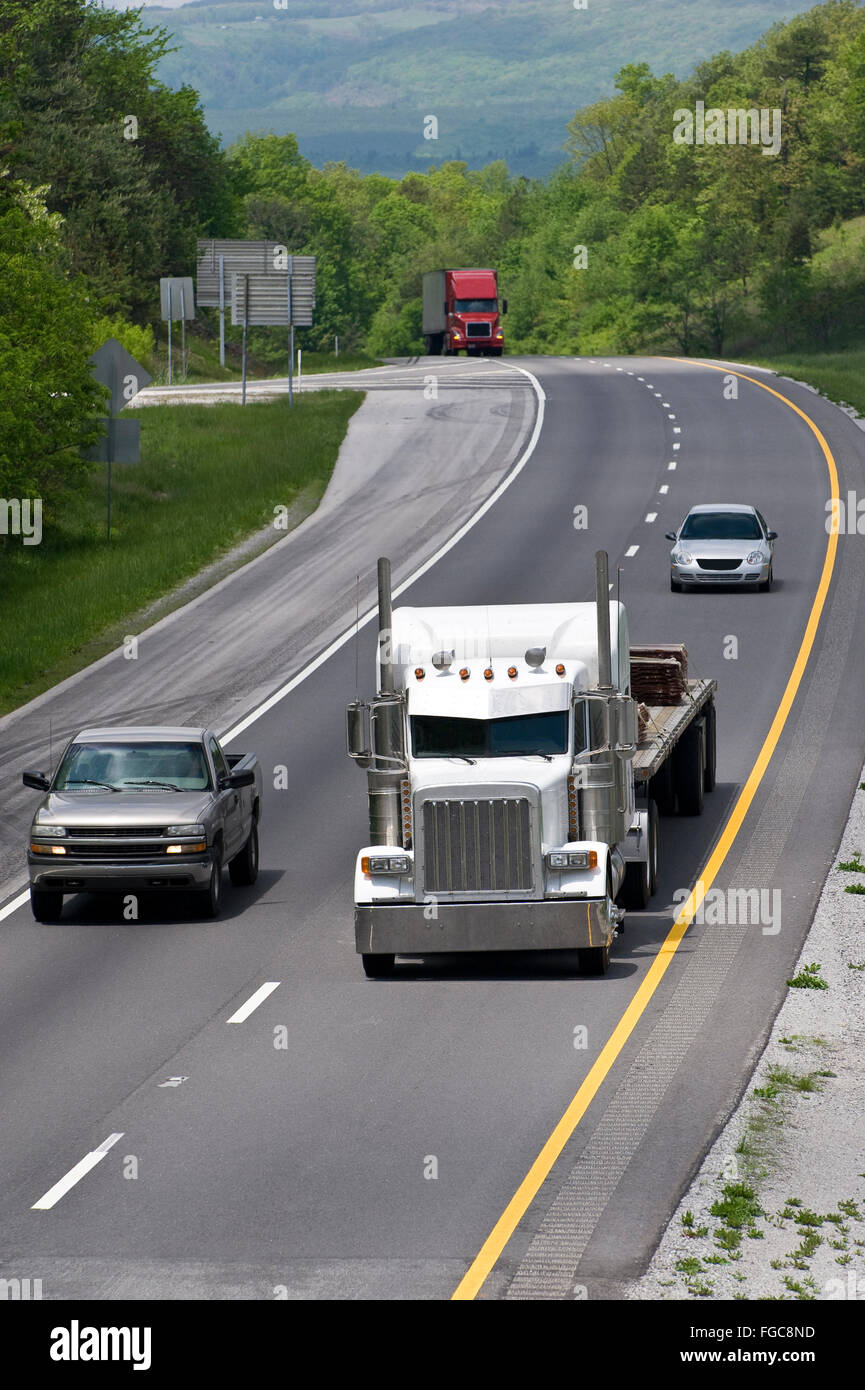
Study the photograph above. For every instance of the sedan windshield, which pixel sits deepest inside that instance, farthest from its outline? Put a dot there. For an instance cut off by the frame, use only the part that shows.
(476, 306)
(721, 526)
(516, 736)
(133, 767)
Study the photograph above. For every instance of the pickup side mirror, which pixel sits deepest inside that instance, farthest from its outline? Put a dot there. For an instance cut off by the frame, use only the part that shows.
(244, 778)
(772, 535)
(37, 780)
(669, 535)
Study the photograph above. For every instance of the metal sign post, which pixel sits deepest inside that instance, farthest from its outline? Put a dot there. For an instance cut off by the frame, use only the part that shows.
(177, 301)
(221, 311)
(113, 366)
(183, 331)
(245, 326)
(169, 352)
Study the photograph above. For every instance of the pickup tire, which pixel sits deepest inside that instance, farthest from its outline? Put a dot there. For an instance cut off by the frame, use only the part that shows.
(243, 868)
(379, 966)
(688, 769)
(210, 898)
(46, 906)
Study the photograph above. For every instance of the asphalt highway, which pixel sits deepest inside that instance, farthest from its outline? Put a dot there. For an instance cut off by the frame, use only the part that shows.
(294, 1151)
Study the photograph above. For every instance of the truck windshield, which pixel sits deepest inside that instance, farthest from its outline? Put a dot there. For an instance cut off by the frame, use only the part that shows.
(476, 306)
(136, 767)
(516, 736)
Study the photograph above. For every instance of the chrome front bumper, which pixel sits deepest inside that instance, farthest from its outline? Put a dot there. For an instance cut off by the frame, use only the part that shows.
(402, 928)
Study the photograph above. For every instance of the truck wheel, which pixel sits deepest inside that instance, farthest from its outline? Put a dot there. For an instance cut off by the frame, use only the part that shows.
(594, 960)
(210, 898)
(688, 774)
(243, 868)
(46, 906)
(378, 967)
(641, 876)
(709, 774)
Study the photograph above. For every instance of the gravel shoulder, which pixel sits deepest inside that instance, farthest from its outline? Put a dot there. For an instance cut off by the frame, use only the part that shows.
(777, 1210)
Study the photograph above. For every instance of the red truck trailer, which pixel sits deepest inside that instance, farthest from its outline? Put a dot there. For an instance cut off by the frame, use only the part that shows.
(461, 311)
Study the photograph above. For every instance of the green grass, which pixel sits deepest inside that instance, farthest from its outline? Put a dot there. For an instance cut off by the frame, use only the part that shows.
(210, 476)
(202, 360)
(839, 375)
(809, 977)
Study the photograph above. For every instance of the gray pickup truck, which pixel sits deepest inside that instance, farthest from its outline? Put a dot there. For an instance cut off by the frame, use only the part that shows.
(144, 810)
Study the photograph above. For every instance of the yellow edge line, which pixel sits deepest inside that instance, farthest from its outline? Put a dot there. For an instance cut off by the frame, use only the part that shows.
(528, 1189)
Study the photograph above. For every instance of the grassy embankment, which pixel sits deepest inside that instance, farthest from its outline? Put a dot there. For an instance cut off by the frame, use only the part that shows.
(202, 362)
(210, 476)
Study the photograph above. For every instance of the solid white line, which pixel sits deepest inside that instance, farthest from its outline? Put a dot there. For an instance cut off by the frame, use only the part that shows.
(253, 1002)
(53, 1195)
(651, 516)
(14, 905)
(664, 488)
(482, 510)
(631, 551)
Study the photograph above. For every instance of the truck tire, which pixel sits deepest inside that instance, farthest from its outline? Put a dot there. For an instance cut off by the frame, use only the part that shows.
(594, 960)
(46, 906)
(641, 876)
(709, 773)
(688, 773)
(378, 967)
(243, 868)
(210, 898)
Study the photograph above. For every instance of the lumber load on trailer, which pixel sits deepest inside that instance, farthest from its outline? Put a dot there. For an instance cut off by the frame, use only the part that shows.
(659, 673)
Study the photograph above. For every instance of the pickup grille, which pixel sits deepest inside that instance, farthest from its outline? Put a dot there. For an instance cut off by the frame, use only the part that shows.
(126, 832)
(479, 330)
(122, 850)
(719, 564)
(477, 846)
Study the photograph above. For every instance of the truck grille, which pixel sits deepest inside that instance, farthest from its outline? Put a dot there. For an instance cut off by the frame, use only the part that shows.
(479, 330)
(481, 846)
(718, 564)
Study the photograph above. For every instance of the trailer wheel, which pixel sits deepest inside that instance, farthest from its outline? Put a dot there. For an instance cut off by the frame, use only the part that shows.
(709, 774)
(46, 906)
(378, 967)
(688, 772)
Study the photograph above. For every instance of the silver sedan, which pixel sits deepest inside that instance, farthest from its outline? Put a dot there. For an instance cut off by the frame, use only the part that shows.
(722, 543)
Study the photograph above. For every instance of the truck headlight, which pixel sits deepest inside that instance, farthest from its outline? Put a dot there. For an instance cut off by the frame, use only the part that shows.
(386, 864)
(48, 832)
(195, 829)
(572, 859)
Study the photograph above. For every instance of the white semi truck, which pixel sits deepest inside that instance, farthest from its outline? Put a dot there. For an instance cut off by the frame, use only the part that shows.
(514, 793)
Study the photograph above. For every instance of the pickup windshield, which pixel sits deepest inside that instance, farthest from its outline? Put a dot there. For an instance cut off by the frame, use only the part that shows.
(517, 736)
(134, 767)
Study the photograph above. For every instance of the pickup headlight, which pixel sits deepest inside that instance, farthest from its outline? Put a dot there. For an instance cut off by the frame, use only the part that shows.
(756, 558)
(48, 832)
(386, 864)
(195, 829)
(572, 859)
(682, 557)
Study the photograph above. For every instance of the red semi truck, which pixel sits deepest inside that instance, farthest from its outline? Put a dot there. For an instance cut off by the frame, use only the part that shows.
(461, 310)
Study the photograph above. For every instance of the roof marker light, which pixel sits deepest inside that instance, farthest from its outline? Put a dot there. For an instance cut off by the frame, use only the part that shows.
(488, 673)
(419, 673)
(465, 673)
(560, 670)
(512, 672)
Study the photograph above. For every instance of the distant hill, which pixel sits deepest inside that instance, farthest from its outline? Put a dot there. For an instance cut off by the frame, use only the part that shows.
(354, 79)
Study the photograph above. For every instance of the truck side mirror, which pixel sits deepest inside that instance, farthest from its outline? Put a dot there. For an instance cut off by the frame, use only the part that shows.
(623, 726)
(37, 780)
(504, 306)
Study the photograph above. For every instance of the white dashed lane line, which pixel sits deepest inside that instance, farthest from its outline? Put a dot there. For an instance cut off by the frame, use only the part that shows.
(631, 552)
(53, 1195)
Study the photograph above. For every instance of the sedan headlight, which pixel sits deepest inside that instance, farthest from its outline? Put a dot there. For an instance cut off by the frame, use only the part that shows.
(48, 832)
(195, 829)
(682, 557)
(386, 864)
(755, 558)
